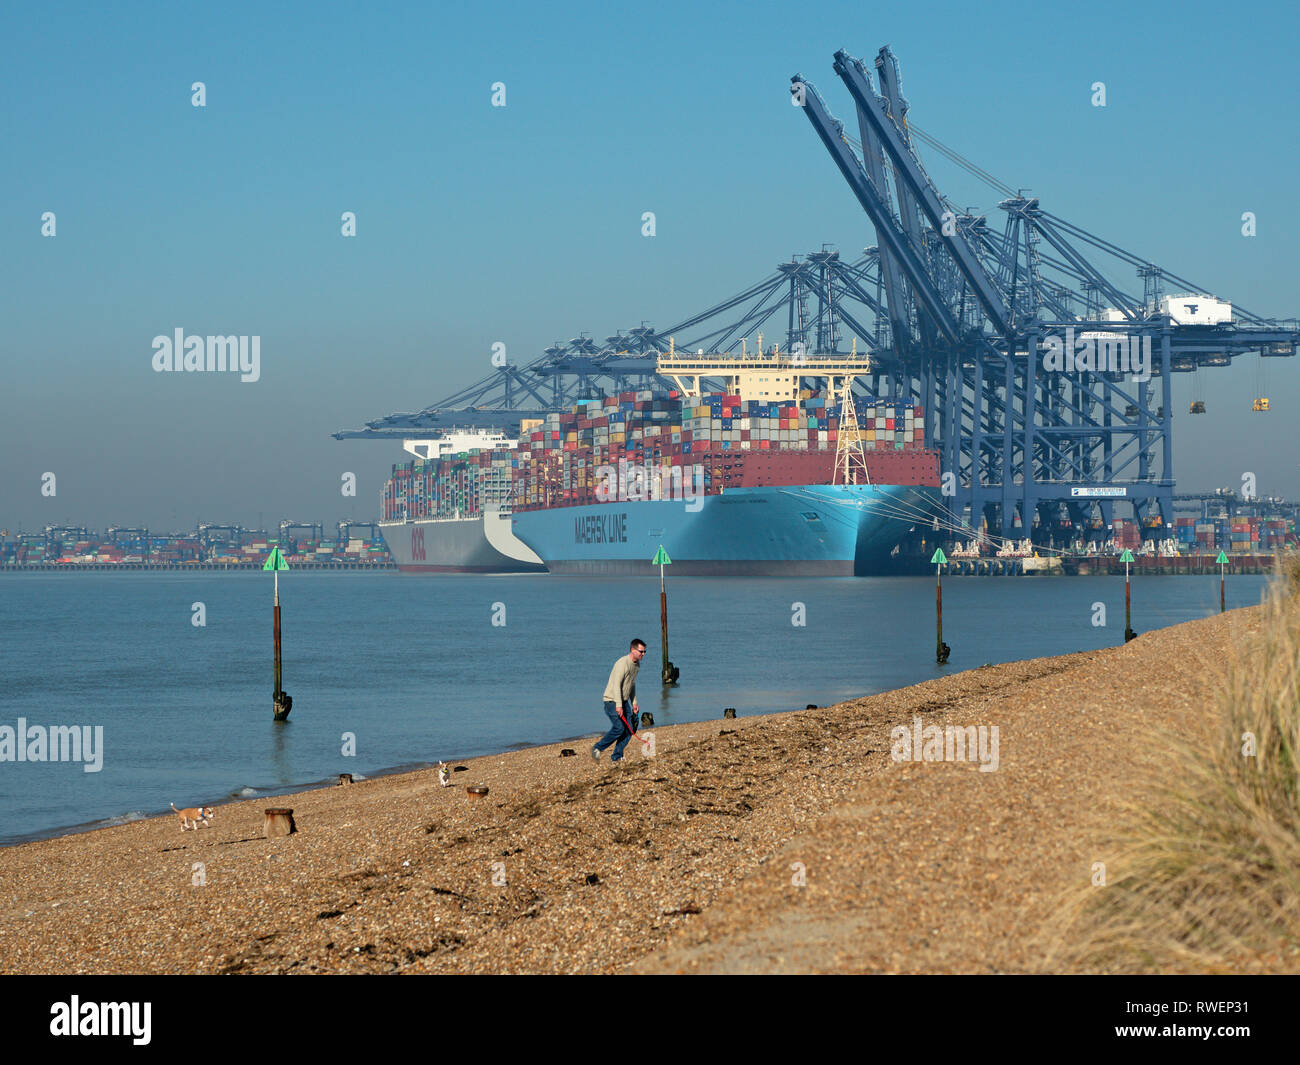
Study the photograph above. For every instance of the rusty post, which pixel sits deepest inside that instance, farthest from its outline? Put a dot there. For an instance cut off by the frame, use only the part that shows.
(279, 822)
(276, 629)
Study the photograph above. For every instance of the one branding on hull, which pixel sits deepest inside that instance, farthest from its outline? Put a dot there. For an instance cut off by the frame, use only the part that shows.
(600, 529)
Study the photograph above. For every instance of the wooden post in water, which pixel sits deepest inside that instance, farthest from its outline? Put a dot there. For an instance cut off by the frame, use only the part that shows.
(1222, 561)
(275, 625)
(281, 701)
(941, 649)
(670, 672)
(1129, 634)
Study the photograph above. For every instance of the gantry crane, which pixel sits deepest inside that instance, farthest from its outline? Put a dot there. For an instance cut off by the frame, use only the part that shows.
(956, 315)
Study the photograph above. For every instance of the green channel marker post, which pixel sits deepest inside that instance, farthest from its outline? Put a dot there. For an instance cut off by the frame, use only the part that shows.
(670, 672)
(1126, 558)
(282, 702)
(941, 649)
(1222, 561)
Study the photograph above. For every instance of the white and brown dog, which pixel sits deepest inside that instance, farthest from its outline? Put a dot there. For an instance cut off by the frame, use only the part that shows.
(193, 817)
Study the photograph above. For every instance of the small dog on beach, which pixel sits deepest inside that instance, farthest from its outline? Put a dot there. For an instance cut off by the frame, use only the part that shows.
(444, 775)
(194, 816)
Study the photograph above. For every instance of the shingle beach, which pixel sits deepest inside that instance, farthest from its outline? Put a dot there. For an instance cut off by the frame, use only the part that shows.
(784, 843)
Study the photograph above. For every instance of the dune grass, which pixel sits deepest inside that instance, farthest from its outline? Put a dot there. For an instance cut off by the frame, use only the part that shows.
(1203, 868)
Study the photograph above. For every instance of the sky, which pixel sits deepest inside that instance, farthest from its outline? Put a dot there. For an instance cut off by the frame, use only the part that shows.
(522, 224)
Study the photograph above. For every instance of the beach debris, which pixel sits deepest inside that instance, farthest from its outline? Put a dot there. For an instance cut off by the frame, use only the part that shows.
(811, 706)
(461, 769)
(730, 711)
(647, 719)
(279, 822)
(728, 732)
(476, 791)
(568, 752)
(345, 778)
(592, 879)
(444, 775)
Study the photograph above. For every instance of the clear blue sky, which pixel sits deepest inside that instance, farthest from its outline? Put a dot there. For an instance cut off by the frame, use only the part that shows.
(479, 224)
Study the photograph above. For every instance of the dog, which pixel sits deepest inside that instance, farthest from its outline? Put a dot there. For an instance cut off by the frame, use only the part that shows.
(194, 816)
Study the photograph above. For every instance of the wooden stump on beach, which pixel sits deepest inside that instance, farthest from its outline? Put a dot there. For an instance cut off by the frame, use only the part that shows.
(345, 778)
(279, 822)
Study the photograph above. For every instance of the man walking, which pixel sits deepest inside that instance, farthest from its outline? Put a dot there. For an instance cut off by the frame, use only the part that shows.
(620, 693)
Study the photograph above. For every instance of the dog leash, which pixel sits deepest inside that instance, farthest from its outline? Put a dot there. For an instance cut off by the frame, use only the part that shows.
(629, 727)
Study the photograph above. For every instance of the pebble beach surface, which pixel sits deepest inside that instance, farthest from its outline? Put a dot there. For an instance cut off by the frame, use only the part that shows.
(784, 843)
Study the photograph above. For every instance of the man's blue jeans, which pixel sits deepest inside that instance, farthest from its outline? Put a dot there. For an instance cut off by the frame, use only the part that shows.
(617, 730)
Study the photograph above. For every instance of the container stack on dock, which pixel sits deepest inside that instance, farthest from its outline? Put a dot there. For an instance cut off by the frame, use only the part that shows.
(245, 549)
(1240, 536)
(1128, 534)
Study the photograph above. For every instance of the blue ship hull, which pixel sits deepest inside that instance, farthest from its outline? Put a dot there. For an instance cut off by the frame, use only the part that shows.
(788, 531)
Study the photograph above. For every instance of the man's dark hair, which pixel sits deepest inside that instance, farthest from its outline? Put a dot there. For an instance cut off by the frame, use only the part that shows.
(635, 644)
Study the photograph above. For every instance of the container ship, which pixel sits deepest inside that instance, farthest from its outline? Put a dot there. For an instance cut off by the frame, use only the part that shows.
(758, 478)
(448, 510)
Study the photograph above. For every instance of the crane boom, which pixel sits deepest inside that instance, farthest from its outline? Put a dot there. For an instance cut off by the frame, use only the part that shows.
(909, 174)
(832, 135)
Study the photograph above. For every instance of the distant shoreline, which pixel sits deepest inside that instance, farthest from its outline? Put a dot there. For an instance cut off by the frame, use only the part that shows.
(1014, 566)
(182, 567)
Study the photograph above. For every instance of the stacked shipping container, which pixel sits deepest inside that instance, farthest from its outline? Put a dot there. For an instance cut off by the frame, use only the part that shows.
(1239, 536)
(559, 462)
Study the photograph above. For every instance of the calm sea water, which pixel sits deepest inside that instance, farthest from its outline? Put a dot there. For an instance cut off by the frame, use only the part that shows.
(416, 670)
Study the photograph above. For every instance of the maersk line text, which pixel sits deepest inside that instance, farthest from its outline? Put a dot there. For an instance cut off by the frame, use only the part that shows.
(600, 529)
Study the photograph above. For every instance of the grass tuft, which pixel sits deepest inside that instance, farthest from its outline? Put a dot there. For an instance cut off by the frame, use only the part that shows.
(1205, 868)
